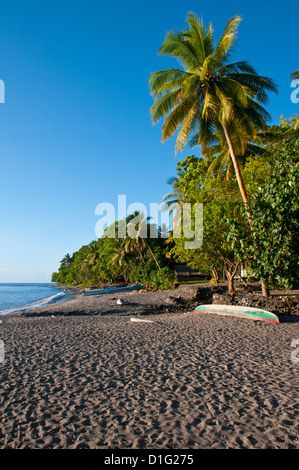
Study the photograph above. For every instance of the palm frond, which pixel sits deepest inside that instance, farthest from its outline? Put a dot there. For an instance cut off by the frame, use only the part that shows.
(237, 67)
(166, 81)
(201, 37)
(259, 85)
(177, 46)
(205, 134)
(294, 75)
(225, 105)
(236, 90)
(228, 38)
(164, 105)
(177, 116)
(186, 127)
(211, 105)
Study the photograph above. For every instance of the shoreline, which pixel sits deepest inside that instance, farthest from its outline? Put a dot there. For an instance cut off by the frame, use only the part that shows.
(184, 298)
(38, 304)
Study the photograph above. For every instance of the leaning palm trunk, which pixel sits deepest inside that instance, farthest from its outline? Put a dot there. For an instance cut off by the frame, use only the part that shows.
(238, 173)
(130, 263)
(139, 250)
(156, 261)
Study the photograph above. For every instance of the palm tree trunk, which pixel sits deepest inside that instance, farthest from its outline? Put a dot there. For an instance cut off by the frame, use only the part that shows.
(132, 267)
(238, 173)
(154, 256)
(243, 191)
(140, 254)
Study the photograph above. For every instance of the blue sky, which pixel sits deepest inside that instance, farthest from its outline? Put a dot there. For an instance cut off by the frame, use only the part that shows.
(75, 125)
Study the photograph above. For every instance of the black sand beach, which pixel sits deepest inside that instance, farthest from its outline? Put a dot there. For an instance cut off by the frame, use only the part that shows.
(74, 377)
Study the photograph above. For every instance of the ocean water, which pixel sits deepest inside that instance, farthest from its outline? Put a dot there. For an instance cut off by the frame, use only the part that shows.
(17, 297)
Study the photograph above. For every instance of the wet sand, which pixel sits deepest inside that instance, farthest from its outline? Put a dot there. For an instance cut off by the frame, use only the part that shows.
(186, 381)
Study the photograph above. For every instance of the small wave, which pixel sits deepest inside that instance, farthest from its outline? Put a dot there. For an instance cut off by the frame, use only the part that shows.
(61, 296)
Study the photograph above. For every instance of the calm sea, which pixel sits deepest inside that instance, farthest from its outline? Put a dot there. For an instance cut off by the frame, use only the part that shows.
(17, 297)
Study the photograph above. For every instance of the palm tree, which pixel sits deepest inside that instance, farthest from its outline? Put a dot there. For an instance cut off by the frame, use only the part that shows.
(294, 75)
(93, 253)
(135, 240)
(210, 94)
(67, 261)
(139, 237)
(164, 231)
(176, 197)
(218, 158)
(173, 202)
(121, 258)
(132, 245)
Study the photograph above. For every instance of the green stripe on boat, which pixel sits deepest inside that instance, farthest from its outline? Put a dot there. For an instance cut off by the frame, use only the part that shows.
(238, 311)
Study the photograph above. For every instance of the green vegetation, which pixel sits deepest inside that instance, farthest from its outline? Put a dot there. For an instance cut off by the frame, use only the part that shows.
(108, 260)
(271, 249)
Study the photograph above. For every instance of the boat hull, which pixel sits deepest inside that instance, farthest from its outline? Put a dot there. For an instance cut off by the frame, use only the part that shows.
(121, 284)
(249, 313)
(112, 290)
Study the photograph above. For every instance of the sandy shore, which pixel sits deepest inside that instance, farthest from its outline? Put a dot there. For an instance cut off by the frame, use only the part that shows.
(185, 381)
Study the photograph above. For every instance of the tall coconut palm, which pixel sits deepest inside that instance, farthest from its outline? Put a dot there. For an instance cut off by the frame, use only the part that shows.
(137, 230)
(121, 258)
(164, 230)
(173, 202)
(209, 94)
(67, 261)
(93, 253)
(132, 245)
(135, 239)
(175, 197)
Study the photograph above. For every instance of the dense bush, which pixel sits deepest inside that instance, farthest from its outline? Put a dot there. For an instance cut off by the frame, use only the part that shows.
(150, 277)
(271, 248)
